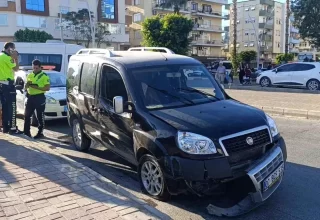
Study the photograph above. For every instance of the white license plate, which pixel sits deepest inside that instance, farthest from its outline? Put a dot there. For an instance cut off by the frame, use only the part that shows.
(273, 178)
(65, 108)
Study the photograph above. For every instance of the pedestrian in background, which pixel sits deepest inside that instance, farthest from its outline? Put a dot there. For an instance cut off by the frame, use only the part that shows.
(38, 83)
(8, 64)
(241, 74)
(221, 74)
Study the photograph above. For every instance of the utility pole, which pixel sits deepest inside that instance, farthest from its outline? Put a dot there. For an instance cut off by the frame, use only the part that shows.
(287, 26)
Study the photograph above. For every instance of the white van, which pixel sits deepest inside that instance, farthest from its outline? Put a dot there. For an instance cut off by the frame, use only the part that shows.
(54, 55)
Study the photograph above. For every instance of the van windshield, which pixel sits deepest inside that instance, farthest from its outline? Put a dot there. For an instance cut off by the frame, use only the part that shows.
(176, 85)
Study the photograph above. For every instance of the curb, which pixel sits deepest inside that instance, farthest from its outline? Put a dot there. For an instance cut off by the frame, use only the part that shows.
(121, 190)
(300, 113)
(271, 89)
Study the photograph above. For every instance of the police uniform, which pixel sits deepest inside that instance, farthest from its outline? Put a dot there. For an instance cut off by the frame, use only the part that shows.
(36, 100)
(7, 92)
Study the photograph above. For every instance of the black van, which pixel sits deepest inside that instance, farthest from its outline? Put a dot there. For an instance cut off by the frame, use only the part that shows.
(184, 135)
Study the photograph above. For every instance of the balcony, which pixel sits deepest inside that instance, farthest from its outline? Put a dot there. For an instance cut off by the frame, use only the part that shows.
(133, 9)
(265, 13)
(222, 2)
(294, 41)
(207, 42)
(208, 28)
(294, 50)
(266, 25)
(160, 7)
(211, 13)
(266, 49)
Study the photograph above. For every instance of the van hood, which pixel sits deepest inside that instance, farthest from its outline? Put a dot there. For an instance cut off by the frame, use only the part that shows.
(215, 119)
(58, 93)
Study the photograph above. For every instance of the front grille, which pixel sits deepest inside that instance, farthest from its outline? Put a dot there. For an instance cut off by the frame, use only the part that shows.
(63, 102)
(267, 170)
(239, 144)
(64, 113)
(240, 157)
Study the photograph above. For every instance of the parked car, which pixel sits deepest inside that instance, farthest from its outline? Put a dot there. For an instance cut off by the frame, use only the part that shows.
(301, 74)
(182, 138)
(56, 104)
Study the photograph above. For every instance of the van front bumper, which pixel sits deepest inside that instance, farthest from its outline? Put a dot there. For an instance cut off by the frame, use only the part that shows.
(217, 171)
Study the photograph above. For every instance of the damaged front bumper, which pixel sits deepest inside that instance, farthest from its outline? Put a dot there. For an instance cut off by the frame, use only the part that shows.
(259, 174)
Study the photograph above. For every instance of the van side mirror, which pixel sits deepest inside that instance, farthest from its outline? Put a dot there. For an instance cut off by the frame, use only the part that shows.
(118, 104)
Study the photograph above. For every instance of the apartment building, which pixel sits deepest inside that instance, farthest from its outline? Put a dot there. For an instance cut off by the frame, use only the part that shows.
(207, 17)
(260, 27)
(44, 15)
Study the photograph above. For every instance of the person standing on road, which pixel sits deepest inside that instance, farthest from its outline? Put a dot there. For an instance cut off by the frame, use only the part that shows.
(241, 74)
(221, 73)
(38, 83)
(9, 63)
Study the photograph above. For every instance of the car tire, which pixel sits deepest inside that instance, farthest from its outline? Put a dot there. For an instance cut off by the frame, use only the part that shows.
(265, 82)
(34, 120)
(79, 138)
(150, 173)
(313, 85)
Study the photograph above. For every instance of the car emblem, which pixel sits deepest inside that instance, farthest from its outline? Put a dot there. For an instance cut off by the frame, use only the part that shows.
(249, 140)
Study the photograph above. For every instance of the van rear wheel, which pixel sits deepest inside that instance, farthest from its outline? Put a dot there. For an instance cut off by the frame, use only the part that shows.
(80, 140)
(152, 179)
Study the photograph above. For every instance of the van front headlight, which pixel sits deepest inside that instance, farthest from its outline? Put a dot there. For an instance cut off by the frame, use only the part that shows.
(273, 127)
(195, 144)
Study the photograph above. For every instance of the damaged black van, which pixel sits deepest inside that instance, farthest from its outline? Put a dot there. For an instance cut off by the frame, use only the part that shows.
(185, 134)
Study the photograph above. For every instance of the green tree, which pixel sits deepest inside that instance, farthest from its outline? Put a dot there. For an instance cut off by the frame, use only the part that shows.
(28, 35)
(284, 58)
(78, 24)
(307, 19)
(171, 31)
(247, 56)
(176, 4)
(235, 60)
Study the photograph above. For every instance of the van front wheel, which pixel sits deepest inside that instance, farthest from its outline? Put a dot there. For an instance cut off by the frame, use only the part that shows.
(152, 179)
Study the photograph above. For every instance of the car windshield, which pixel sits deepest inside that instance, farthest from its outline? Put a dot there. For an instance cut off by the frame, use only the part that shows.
(57, 80)
(176, 85)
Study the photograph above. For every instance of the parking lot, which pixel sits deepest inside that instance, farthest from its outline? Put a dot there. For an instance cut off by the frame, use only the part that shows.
(297, 197)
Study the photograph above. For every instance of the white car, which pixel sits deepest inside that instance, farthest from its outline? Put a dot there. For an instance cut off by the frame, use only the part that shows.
(300, 74)
(56, 104)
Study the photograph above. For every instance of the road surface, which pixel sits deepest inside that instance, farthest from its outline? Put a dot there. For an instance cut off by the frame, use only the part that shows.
(297, 197)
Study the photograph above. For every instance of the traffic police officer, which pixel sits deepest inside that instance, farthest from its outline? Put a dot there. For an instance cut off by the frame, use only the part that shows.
(37, 84)
(8, 64)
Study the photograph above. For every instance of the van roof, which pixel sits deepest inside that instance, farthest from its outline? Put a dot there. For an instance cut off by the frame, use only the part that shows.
(134, 59)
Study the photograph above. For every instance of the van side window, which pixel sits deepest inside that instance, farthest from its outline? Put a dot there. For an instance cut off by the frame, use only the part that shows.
(112, 85)
(88, 78)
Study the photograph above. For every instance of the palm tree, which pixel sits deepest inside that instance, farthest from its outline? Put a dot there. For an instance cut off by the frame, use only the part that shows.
(176, 4)
(287, 27)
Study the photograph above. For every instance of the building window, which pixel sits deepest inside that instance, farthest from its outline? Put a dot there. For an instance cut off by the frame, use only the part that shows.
(35, 5)
(64, 10)
(108, 9)
(194, 6)
(136, 2)
(3, 20)
(29, 21)
(137, 17)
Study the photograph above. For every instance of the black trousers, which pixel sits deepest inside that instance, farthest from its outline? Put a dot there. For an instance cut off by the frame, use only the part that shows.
(38, 103)
(8, 100)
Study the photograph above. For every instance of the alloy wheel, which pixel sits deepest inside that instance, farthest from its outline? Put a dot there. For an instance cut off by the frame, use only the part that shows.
(152, 178)
(313, 85)
(77, 136)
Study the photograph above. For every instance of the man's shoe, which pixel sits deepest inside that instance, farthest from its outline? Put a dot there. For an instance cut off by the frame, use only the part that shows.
(38, 136)
(13, 132)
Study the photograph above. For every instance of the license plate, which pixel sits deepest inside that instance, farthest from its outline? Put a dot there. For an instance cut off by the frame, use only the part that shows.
(273, 178)
(65, 108)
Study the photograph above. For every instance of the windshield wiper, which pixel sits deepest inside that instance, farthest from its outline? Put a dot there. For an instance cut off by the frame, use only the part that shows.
(199, 91)
(181, 99)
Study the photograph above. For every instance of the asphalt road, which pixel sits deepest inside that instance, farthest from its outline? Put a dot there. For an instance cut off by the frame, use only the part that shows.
(298, 197)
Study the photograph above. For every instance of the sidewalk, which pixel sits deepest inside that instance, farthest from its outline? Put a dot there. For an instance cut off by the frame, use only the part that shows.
(35, 184)
(290, 104)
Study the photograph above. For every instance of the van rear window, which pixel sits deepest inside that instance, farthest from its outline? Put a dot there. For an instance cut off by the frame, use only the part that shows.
(54, 60)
